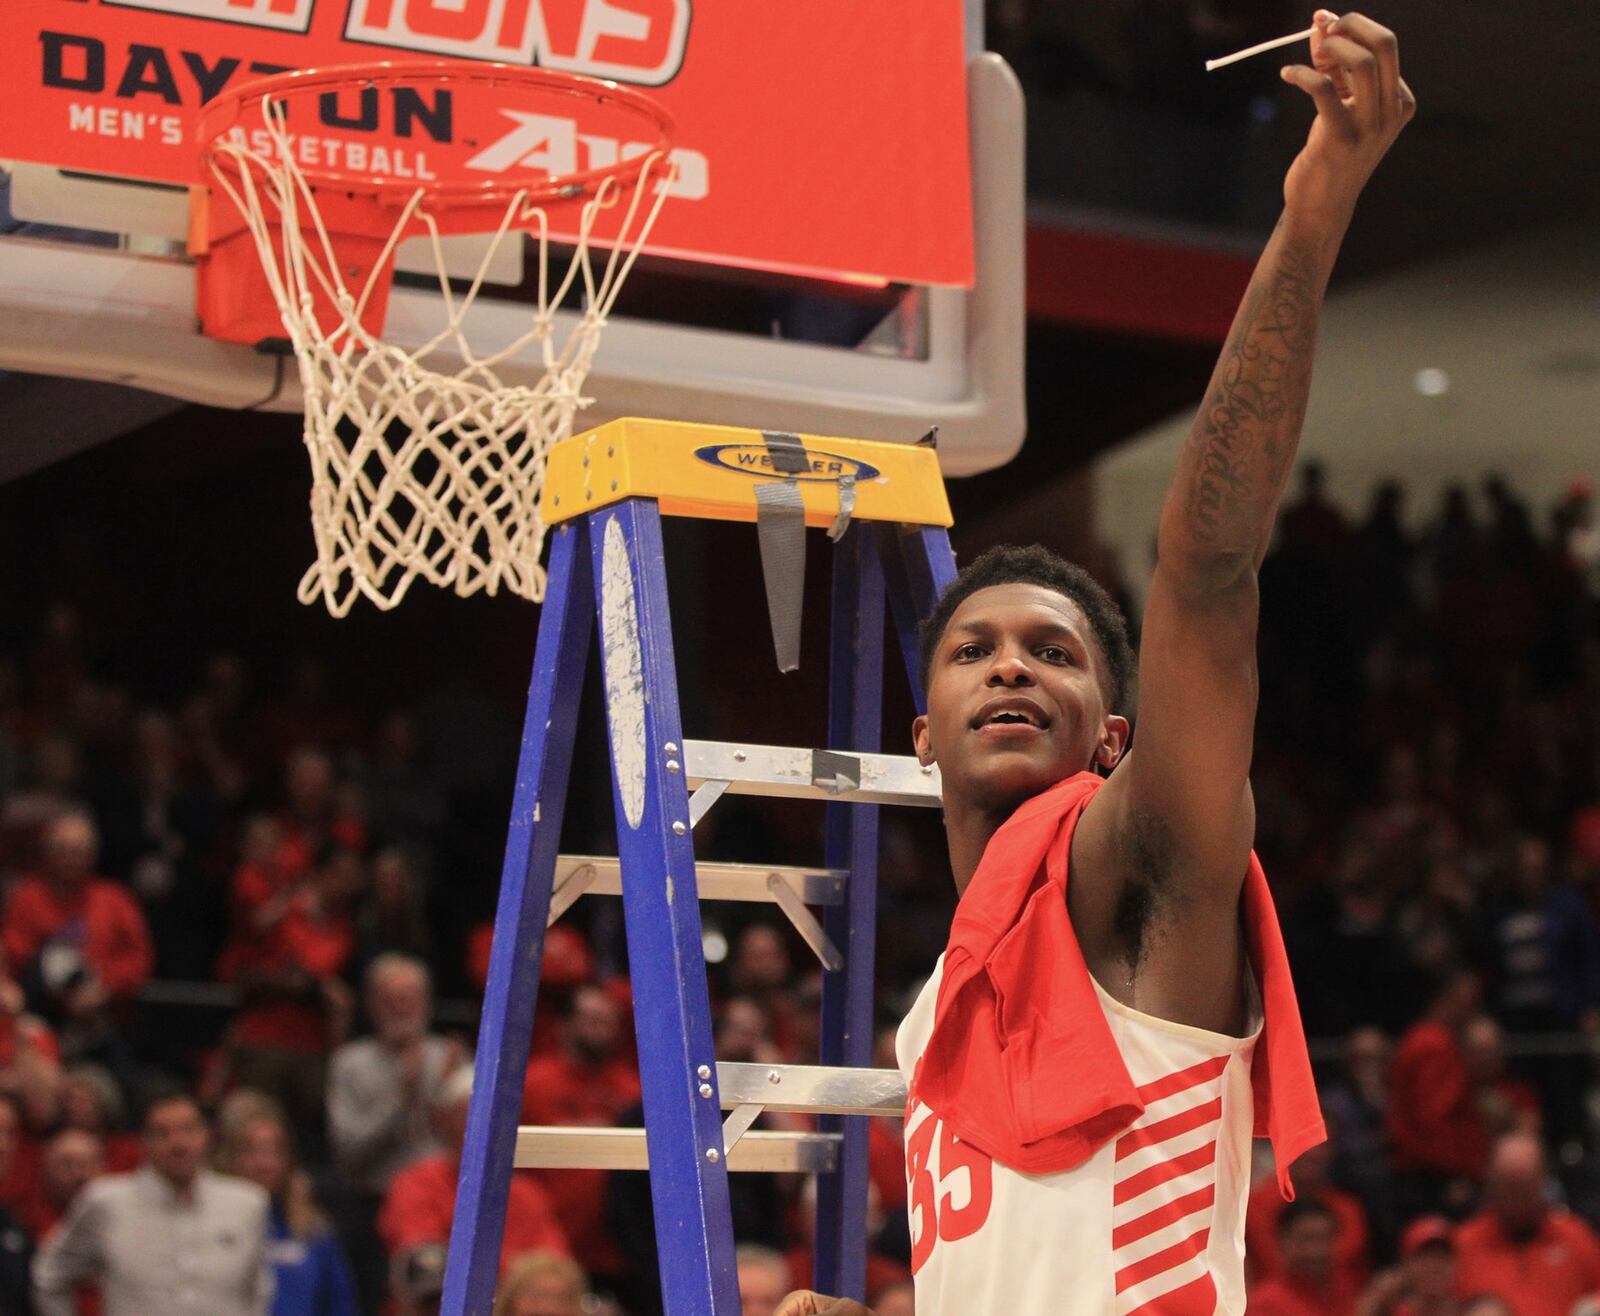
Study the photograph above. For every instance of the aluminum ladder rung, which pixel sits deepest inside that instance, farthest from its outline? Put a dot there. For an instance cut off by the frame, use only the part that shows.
(714, 881)
(548, 1147)
(808, 774)
(819, 1089)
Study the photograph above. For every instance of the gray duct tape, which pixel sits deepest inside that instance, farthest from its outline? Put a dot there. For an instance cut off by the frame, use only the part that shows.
(847, 505)
(788, 453)
(781, 533)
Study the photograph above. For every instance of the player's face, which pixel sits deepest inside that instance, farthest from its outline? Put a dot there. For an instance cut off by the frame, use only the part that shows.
(1016, 699)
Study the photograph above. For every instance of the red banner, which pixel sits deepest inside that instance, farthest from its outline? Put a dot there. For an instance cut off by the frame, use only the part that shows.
(815, 136)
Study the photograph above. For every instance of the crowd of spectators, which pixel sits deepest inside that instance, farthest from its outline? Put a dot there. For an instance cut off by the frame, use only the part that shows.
(243, 934)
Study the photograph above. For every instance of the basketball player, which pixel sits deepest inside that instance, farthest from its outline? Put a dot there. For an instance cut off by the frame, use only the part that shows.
(1112, 1020)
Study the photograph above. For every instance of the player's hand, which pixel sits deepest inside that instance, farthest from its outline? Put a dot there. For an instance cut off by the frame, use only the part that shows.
(1362, 104)
(803, 1302)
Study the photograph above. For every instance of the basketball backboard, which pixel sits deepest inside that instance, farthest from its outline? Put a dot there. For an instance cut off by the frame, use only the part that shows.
(843, 253)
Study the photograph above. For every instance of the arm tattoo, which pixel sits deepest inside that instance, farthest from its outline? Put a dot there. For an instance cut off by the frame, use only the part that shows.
(1239, 452)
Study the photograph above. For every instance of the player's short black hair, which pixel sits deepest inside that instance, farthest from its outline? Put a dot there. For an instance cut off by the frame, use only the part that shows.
(1013, 564)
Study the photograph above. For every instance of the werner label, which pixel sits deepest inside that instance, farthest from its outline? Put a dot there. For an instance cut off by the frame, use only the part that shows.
(754, 459)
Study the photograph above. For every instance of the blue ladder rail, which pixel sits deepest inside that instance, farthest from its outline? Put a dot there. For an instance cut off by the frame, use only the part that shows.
(607, 571)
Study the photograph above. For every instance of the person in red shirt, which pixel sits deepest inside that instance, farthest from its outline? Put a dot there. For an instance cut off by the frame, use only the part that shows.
(761, 969)
(316, 816)
(1424, 1283)
(587, 1082)
(1536, 1258)
(421, 1201)
(1505, 1103)
(295, 1007)
(70, 1160)
(30, 1058)
(1351, 1234)
(1435, 1128)
(78, 940)
(1309, 1282)
(92, 1102)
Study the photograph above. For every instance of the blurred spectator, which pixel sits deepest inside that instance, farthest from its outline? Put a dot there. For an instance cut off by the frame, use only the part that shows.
(91, 1101)
(30, 1059)
(393, 918)
(542, 1284)
(422, 1197)
(1358, 1105)
(406, 805)
(286, 956)
(1504, 1103)
(381, 1093)
(16, 1244)
(1309, 1282)
(763, 1279)
(54, 786)
(1311, 524)
(566, 965)
(1424, 1283)
(315, 817)
(1548, 966)
(78, 941)
(1351, 1257)
(1548, 973)
(158, 829)
(1435, 1128)
(310, 1274)
(173, 1237)
(761, 969)
(216, 726)
(309, 713)
(591, 1082)
(416, 1279)
(1538, 1259)
(70, 1160)
(381, 1089)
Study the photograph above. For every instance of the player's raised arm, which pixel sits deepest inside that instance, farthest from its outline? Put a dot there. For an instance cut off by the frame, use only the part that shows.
(1180, 808)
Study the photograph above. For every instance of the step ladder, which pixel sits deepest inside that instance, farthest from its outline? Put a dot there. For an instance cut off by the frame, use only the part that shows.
(885, 508)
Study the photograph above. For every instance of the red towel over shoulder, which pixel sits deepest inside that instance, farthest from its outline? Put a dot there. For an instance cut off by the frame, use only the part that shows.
(1021, 1062)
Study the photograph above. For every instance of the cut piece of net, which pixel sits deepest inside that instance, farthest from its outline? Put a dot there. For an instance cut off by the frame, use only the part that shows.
(418, 471)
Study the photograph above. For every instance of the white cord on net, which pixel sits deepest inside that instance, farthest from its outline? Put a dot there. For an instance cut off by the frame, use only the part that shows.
(418, 472)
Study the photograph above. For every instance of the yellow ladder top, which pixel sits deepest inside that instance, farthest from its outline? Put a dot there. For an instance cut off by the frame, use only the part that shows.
(712, 471)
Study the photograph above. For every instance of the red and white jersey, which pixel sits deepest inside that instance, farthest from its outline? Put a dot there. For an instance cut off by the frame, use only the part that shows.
(1152, 1223)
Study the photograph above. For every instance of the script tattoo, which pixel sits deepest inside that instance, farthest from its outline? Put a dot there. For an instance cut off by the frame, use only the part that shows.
(1245, 437)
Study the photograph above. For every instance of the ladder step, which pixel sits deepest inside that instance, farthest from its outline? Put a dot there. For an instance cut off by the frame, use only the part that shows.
(546, 1147)
(812, 774)
(821, 1089)
(815, 886)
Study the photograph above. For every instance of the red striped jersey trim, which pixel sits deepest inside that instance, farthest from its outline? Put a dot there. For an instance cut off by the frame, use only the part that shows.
(1168, 1213)
(1137, 1184)
(1151, 1134)
(1196, 1298)
(1159, 1262)
(1193, 1077)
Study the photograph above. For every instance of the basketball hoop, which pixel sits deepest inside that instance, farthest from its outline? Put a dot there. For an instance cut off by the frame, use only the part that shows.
(424, 462)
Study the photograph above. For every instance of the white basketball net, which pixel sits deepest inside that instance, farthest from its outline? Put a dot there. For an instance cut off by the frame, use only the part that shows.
(423, 462)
